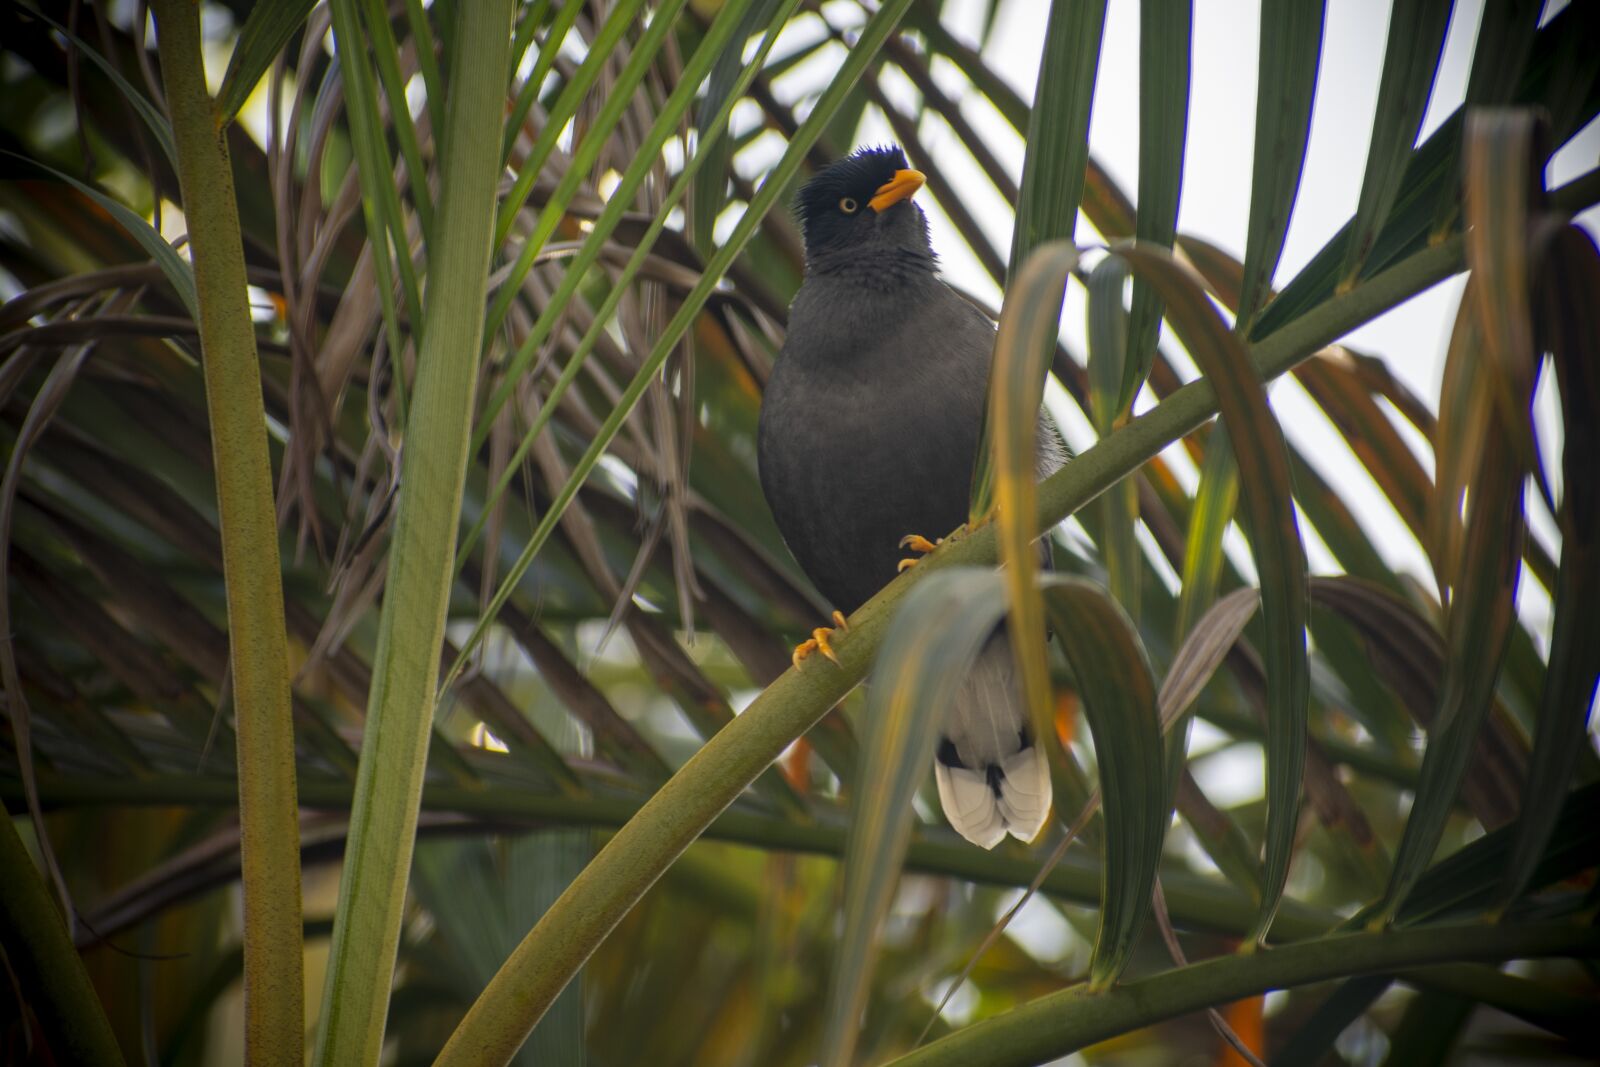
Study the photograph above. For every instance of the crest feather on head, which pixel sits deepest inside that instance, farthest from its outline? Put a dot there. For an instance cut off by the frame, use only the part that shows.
(859, 175)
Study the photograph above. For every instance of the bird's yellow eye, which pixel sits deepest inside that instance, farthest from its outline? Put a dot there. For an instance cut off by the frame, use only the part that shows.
(849, 206)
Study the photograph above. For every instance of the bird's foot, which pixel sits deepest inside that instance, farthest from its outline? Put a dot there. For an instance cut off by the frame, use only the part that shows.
(818, 641)
(918, 543)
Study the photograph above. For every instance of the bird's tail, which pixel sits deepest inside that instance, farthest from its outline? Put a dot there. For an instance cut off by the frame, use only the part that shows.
(993, 780)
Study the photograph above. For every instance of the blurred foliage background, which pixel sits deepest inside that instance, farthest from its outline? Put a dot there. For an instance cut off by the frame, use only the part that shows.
(618, 594)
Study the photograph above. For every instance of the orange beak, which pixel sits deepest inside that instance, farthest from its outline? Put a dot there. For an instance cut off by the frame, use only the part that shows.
(900, 187)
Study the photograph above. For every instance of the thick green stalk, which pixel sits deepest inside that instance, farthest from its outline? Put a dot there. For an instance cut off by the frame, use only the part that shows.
(34, 941)
(1057, 1025)
(269, 813)
(400, 706)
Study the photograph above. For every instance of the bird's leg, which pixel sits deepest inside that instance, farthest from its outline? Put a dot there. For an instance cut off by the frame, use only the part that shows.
(818, 641)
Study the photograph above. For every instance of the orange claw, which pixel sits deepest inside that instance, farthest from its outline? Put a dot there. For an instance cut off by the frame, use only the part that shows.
(818, 642)
(916, 543)
(820, 636)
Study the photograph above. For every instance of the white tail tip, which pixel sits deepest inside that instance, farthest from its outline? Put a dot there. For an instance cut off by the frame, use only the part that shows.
(1017, 804)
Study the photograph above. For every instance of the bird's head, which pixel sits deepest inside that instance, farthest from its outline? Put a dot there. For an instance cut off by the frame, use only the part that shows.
(858, 214)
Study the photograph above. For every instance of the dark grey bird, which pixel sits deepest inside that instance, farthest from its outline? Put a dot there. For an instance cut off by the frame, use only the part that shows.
(869, 431)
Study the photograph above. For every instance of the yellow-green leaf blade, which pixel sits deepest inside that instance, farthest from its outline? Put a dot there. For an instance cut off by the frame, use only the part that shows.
(1058, 128)
(1110, 356)
(1164, 44)
(1268, 505)
(266, 31)
(173, 266)
(1494, 383)
(1119, 700)
(1569, 280)
(1286, 82)
(1023, 348)
(1410, 59)
(929, 649)
(372, 888)
(152, 116)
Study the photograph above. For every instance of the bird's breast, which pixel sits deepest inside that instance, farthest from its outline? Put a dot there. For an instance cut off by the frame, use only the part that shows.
(856, 453)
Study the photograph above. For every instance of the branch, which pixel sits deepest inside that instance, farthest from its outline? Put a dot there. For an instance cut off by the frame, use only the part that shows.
(1061, 1023)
